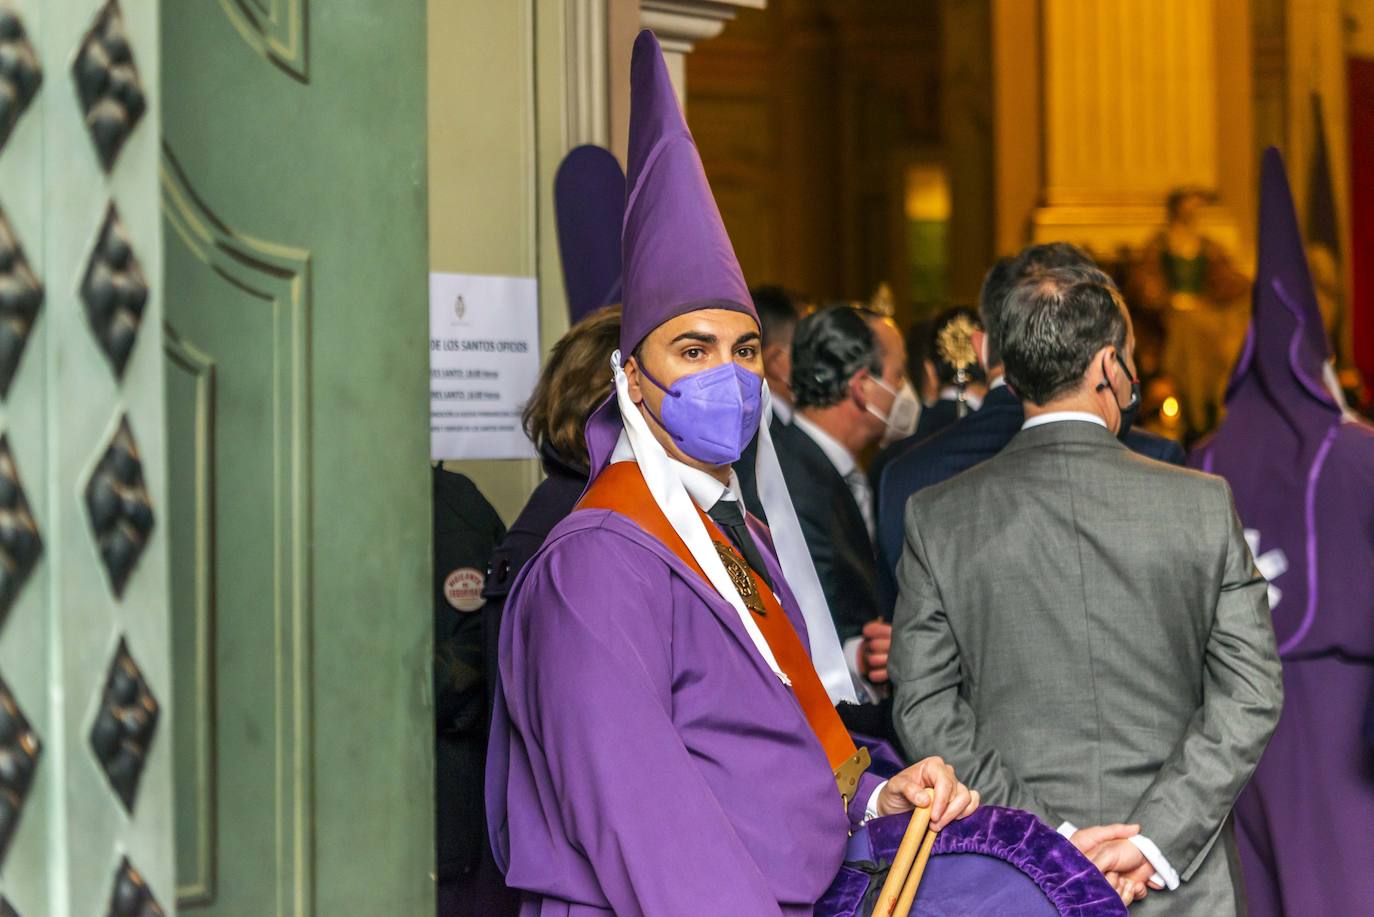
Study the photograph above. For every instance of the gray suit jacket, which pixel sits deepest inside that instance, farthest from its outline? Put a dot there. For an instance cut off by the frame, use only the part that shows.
(1082, 633)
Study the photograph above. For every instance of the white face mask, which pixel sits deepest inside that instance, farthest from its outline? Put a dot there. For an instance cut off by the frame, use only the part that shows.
(902, 416)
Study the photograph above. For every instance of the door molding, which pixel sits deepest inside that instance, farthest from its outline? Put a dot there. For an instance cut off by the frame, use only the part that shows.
(279, 276)
(276, 29)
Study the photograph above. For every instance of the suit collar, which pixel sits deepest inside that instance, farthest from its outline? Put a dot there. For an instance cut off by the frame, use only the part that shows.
(1068, 432)
(834, 450)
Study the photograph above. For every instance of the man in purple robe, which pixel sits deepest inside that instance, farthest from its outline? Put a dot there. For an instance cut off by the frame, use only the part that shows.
(1302, 472)
(652, 750)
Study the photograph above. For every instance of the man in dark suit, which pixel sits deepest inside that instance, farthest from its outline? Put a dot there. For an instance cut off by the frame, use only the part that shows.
(956, 378)
(1108, 656)
(981, 435)
(848, 373)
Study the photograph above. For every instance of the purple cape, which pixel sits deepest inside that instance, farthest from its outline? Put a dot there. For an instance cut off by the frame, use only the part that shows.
(1303, 480)
(643, 757)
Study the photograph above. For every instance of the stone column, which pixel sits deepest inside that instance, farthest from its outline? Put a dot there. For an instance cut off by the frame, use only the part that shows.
(1137, 97)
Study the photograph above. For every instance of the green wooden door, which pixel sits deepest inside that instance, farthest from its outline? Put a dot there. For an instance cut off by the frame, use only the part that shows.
(86, 720)
(293, 187)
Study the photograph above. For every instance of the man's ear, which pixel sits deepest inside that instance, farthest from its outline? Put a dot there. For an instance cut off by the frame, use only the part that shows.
(980, 338)
(856, 387)
(1104, 361)
(632, 379)
(771, 354)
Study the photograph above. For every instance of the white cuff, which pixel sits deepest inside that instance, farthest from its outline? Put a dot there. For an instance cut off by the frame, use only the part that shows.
(871, 810)
(1165, 874)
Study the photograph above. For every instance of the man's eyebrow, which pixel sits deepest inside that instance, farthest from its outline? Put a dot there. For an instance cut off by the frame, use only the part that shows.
(747, 337)
(701, 337)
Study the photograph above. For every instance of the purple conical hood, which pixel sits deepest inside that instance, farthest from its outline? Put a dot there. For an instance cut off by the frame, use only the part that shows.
(1286, 347)
(676, 255)
(589, 201)
(1293, 466)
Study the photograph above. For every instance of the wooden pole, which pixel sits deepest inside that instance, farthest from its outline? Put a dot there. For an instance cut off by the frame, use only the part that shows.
(913, 880)
(907, 852)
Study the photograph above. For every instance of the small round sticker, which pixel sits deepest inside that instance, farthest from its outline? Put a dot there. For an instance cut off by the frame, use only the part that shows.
(463, 588)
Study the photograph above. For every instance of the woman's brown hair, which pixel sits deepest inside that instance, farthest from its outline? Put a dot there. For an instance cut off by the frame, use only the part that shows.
(575, 379)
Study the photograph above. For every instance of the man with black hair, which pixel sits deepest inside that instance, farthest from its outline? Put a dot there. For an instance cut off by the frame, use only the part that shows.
(982, 435)
(848, 377)
(1110, 657)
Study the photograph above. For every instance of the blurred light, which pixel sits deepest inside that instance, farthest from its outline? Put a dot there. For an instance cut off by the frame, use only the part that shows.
(927, 193)
(1170, 407)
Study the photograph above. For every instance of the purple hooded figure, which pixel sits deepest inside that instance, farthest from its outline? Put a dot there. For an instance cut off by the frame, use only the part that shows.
(1302, 472)
(647, 755)
(589, 202)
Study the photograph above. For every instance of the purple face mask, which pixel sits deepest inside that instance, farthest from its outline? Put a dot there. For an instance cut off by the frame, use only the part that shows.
(713, 414)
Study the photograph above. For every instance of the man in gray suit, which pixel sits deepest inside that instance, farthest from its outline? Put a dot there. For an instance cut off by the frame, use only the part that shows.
(1081, 631)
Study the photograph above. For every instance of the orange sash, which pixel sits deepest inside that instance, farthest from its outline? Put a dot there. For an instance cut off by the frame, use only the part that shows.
(621, 488)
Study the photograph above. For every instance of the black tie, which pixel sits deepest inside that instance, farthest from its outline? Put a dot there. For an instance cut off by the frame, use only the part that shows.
(729, 516)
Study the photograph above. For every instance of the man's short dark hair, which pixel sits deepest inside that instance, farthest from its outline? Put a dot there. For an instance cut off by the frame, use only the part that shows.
(829, 348)
(1055, 321)
(778, 312)
(1003, 277)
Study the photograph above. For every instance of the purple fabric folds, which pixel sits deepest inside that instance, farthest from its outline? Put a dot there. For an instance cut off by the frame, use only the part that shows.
(677, 256)
(998, 861)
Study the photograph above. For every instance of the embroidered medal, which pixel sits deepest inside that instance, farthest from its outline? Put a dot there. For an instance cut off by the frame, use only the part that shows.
(741, 578)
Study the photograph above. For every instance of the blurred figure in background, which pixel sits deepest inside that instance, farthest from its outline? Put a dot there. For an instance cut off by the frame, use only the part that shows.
(575, 379)
(779, 310)
(951, 382)
(962, 381)
(466, 530)
(1189, 279)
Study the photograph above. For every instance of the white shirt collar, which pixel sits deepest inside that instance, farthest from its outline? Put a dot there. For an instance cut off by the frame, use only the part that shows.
(997, 383)
(1056, 416)
(782, 411)
(839, 456)
(951, 393)
(704, 489)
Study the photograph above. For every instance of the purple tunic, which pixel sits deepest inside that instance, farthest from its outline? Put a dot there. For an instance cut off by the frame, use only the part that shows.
(1303, 480)
(643, 758)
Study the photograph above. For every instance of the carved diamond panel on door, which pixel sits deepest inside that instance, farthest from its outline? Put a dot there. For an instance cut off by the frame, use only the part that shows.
(108, 84)
(130, 895)
(20, 544)
(125, 723)
(21, 294)
(19, 752)
(114, 292)
(20, 74)
(121, 513)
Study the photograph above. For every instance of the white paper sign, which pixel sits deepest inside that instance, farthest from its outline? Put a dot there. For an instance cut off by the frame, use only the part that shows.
(483, 364)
